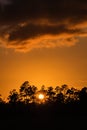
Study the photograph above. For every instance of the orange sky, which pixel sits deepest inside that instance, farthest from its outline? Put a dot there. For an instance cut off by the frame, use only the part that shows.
(44, 42)
(47, 67)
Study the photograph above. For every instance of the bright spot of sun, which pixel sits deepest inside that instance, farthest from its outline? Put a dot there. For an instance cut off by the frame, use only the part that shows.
(41, 96)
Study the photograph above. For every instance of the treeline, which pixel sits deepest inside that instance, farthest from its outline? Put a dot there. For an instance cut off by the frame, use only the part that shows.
(57, 101)
(28, 94)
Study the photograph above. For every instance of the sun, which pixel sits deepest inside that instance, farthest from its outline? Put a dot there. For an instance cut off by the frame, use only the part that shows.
(41, 96)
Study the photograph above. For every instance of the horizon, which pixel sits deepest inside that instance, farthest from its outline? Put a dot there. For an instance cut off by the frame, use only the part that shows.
(5, 97)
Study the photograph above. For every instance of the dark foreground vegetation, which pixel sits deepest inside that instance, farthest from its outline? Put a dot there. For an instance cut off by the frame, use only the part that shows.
(61, 108)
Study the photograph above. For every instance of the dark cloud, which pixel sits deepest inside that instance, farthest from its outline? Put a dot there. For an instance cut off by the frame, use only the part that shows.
(4, 2)
(24, 21)
(32, 31)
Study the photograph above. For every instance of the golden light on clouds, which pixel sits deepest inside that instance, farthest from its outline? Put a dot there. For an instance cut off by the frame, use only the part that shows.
(47, 41)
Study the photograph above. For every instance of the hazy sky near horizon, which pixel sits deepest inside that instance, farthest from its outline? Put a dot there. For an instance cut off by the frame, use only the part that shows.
(44, 42)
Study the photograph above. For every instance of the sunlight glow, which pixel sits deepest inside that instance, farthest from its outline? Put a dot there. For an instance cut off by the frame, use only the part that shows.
(41, 96)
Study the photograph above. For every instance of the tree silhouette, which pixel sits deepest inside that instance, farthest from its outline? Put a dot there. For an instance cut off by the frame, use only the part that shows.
(1, 100)
(70, 95)
(60, 98)
(24, 92)
(27, 92)
(13, 98)
(83, 95)
(32, 93)
(50, 94)
(64, 88)
(57, 90)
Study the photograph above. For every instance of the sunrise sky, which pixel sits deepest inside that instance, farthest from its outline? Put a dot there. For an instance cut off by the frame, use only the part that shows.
(43, 42)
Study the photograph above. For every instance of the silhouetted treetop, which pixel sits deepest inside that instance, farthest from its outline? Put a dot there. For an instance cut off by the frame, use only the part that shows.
(30, 94)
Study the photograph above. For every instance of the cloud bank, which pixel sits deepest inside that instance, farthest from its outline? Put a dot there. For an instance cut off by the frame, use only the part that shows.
(29, 24)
